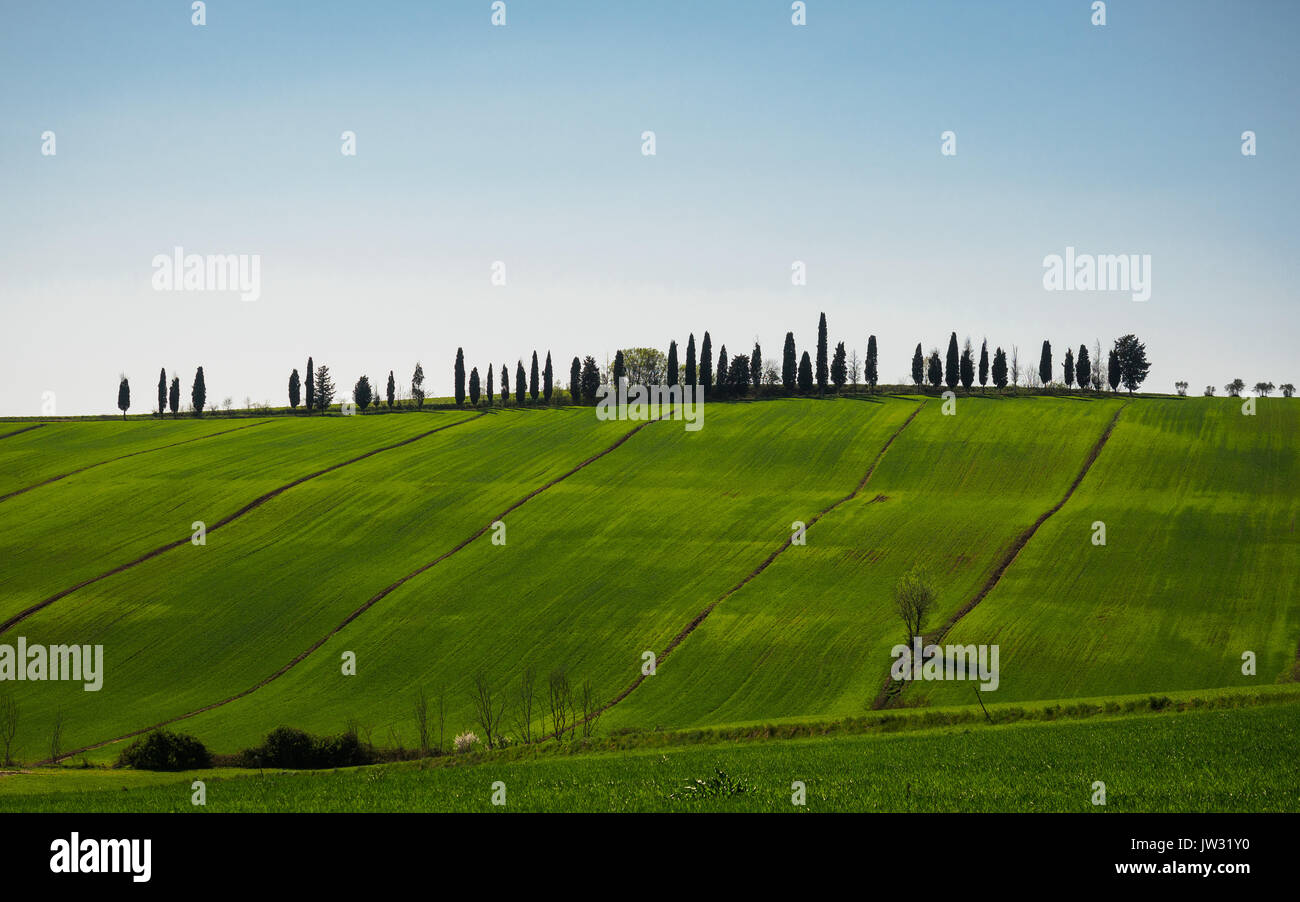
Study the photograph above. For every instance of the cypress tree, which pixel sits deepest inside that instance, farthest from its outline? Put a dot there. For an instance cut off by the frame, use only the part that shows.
(460, 376)
(805, 374)
(1000, 369)
(575, 381)
(392, 389)
(295, 389)
(162, 392)
(417, 385)
(123, 396)
(984, 364)
(311, 387)
(756, 366)
(918, 366)
(532, 379)
(789, 364)
(951, 374)
(473, 387)
(706, 363)
(839, 372)
(691, 375)
(1045, 364)
(519, 383)
(620, 369)
(1112, 369)
(967, 366)
(548, 379)
(505, 385)
(199, 392)
(1069, 368)
(721, 377)
(936, 369)
(174, 395)
(872, 373)
(491, 396)
(672, 363)
(1083, 367)
(590, 379)
(822, 369)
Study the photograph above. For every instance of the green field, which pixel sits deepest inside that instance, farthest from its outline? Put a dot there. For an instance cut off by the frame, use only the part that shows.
(372, 535)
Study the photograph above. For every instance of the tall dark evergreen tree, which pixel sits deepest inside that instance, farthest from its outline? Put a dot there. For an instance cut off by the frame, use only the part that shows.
(1068, 367)
(174, 395)
(532, 379)
(123, 396)
(952, 374)
(1045, 363)
(473, 387)
(295, 390)
(1113, 371)
(392, 390)
(548, 379)
(363, 392)
(1000, 369)
(575, 381)
(590, 379)
(692, 377)
(505, 385)
(935, 369)
(491, 392)
(789, 364)
(823, 370)
(756, 366)
(721, 375)
(738, 375)
(460, 376)
(706, 364)
(1133, 364)
(805, 374)
(672, 363)
(1083, 367)
(872, 373)
(520, 377)
(967, 366)
(162, 393)
(311, 386)
(984, 364)
(620, 369)
(324, 388)
(839, 371)
(199, 392)
(417, 385)
(918, 366)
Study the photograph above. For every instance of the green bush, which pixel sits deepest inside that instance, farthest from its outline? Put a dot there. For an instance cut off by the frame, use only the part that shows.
(294, 749)
(164, 750)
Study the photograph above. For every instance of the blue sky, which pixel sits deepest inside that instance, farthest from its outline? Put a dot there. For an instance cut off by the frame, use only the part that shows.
(522, 144)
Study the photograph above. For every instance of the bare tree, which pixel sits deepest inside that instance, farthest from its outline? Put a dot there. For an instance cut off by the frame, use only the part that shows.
(8, 724)
(559, 699)
(1015, 367)
(590, 709)
(56, 737)
(422, 722)
(487, 709)
(1097, 376)
(524, 716)
(914, 597)
(855, 366)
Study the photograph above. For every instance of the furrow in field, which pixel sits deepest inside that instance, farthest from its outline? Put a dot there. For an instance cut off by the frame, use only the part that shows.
(101, 463)
(892, 688)
(229, 518)
(20, 431)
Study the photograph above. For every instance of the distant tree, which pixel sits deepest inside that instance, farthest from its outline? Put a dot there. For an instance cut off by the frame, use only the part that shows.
(645, 366)
(295, 391)
(1181, 388)
(984, 364)
(311, 386)
(575, 381)
(1095, 360)
(872, 374)
(839, 369)
(620, 369)
(1234, 388)
(532, 379)
(392, 389)
(1287, 389)
(520, 377)
(324, 388)
(822, 368)
(548, 379)
(720, 375)
(1263, 388)
(590, 379)
(951, 373)
(460, 376)
(805, 374)
(738, 376)
(1209, 391)
(756, 366)
(363, 393)
(491, 389)
(1045, 364)
(174, 395)
(473, 387)
(1000, 369)
(918, 366)
(967, 365)
(1015, 367)
(505, 385)
(1068, 367)
(672, 363)
(417, 385)
(123, 395)
(199, 392)
(1113, 371)
(935, 371)
(789, 364)
(1083, 367)
(162, 393)
(706, 364)
(1133, 365)
(914, 597)
(692, 377)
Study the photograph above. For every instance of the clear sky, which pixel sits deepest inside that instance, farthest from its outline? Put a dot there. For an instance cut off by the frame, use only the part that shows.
(522, 144)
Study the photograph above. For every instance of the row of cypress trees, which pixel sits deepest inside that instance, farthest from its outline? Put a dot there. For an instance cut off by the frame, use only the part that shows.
(1126, 365)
